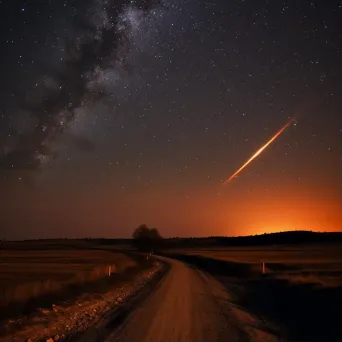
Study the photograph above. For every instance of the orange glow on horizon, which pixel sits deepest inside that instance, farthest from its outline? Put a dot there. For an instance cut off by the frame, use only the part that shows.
(300, 208)
(266, 206)
(257, 153)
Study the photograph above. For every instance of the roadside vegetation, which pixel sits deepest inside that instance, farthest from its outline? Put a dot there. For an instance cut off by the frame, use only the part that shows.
(299, 290)
(28, 278)
(42, 274)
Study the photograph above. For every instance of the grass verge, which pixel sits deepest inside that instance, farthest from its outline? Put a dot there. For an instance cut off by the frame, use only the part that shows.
(39, 279)
(304, 311)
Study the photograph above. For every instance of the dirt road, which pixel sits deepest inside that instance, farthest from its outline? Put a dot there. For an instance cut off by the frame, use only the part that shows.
(188, 305)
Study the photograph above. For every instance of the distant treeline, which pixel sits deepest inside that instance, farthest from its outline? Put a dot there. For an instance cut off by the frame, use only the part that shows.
(282, 238)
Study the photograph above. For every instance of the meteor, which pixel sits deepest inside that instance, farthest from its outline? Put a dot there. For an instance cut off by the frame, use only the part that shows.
(257, 153)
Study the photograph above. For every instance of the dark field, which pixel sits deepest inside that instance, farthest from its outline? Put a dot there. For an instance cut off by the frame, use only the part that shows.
(36, 274)
(300, 292)
(297, 264)
(28, 274)
(46, 285)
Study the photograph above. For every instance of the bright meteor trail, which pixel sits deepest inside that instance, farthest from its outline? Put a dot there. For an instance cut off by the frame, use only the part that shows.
(258, 152)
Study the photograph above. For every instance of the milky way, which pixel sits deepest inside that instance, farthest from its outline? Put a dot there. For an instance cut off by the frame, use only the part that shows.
(97, 44)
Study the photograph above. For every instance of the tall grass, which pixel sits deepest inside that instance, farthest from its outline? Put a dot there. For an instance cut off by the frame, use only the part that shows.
(28, 275)
(314, 264)
(32, 289)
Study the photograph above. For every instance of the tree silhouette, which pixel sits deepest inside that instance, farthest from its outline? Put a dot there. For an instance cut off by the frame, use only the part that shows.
(146, 239)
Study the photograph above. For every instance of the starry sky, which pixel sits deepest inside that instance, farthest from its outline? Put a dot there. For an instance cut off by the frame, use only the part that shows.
(115, 113)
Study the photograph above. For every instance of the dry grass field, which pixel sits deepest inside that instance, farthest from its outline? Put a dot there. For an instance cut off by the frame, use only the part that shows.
(27, 274)
(301, 292)
(315, 263)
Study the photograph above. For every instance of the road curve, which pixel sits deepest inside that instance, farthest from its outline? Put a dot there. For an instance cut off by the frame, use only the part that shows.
(188, 305)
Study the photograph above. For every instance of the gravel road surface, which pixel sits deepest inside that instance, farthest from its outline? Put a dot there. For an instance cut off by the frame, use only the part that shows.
(188, 305)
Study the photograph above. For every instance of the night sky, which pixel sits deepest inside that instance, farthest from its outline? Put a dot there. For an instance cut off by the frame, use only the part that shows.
(115, 113)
